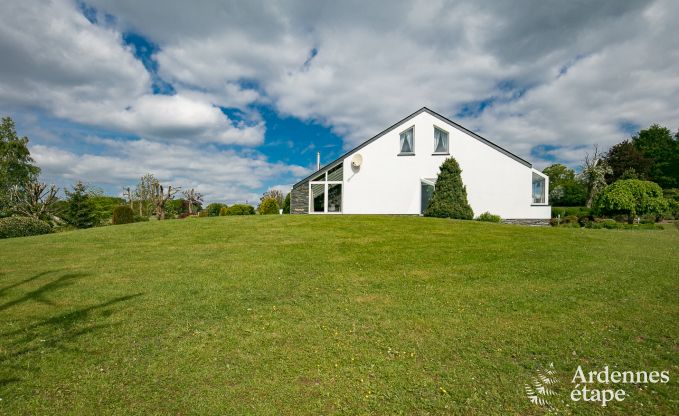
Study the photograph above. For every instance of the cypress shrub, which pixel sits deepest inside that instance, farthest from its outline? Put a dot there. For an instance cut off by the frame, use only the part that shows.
(449, 199)
(122, 214)
(286, 204)
(22, 227)
(268, 206)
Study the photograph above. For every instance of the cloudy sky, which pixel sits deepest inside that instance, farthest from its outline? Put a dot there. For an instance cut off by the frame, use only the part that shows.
(234, 97)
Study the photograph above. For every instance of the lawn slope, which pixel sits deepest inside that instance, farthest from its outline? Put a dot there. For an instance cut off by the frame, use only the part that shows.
(331, 314)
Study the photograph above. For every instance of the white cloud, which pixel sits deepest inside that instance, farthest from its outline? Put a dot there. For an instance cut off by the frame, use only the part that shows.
(377, 63)
(55, 59)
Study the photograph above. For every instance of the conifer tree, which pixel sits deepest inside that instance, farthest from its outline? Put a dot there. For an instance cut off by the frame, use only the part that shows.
(449, 199)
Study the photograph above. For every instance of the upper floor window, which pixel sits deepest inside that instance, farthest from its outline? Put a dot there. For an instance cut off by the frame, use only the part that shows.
(440, 141)
(407, 145)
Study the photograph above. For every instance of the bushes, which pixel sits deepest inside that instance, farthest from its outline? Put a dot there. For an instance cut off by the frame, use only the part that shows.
(268, 206)
(122, 214)
(240, 209)
(214, 208)
(223, 210)
(449, 199)
(22, 227)
(631, 197)
(203, 214)
(488, 217)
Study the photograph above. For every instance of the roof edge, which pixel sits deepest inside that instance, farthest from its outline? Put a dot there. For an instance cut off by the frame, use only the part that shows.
(393, 126)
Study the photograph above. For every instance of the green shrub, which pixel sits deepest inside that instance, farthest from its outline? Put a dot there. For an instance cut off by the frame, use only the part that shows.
(449, 199)
(268, 206)
(22, 227)
(214, 208)
(140, 218)
(223, 210)
(488, 217)
(122, 214)
(203, 214)
(240, 209)
(631, 197)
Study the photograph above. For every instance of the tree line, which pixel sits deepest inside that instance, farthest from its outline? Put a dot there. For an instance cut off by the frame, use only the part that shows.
(639, 175)
(23, 196)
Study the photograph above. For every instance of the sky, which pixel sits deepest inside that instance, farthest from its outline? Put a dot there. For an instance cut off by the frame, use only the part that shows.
(235, 97)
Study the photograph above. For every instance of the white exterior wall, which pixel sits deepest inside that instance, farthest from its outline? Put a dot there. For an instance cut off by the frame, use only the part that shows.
(390, 184)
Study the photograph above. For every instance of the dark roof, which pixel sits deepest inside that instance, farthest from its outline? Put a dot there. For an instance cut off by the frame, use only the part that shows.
(421, 110)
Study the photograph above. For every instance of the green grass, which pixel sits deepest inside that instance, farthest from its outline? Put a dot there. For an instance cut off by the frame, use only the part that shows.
(331, 314)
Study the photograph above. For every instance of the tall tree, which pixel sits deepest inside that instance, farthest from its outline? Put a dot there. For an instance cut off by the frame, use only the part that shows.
(193, 198)
(80, 211)
(594, 171)
(160, 197)
(658, 144)
(144, 193)
(565, 187)
(16, 164)
(625, 156)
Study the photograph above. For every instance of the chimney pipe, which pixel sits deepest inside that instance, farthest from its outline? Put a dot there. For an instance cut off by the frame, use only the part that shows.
(318, 160)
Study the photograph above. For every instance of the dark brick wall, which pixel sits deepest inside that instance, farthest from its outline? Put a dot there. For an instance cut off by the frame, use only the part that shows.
(299, 199)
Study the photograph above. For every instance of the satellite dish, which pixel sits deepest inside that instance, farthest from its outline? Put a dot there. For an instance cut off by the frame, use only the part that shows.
(356, 161)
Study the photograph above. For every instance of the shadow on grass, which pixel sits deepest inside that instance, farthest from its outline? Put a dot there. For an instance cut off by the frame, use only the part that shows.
(38, 295)
(58, 332)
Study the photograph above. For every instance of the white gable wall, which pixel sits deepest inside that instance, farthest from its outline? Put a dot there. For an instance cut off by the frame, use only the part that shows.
(390, 184)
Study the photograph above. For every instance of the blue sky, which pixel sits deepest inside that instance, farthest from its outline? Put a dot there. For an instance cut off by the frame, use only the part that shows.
(234, 98)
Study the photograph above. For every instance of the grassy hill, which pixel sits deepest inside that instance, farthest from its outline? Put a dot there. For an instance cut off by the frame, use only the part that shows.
(332, 314)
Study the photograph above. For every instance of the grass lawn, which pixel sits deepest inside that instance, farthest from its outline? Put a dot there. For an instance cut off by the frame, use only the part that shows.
(332, 314)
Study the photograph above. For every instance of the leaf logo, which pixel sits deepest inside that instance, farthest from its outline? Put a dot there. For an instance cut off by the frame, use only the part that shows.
(541, 387)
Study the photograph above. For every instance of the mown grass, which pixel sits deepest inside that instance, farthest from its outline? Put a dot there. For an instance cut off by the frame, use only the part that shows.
(338, 314)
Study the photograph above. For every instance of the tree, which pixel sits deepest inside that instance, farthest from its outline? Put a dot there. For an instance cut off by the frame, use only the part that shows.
(37, 201)
(594, 171)
(286, 204)
(16, 164)
(275, 194)
(624, 157)
(193, 198)
(631, 197)
(80, 211)
(449, 199)
(268, 206)
(144, 194)
(656, 143)
(160, 197)
(565, 188)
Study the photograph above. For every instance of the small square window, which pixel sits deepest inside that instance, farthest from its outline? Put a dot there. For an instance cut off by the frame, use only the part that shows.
(407, 145)
(440, 141)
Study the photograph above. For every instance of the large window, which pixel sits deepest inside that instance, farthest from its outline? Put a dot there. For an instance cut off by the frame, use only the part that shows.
(407, 142)
(326, 191)
(440, 141)
(538, 189)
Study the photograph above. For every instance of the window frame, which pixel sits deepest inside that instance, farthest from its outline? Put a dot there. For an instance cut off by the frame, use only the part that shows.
(412, 143)
(447, 151)
(326, 185)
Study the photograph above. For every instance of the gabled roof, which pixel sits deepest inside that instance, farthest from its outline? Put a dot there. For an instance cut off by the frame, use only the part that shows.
(413, 115)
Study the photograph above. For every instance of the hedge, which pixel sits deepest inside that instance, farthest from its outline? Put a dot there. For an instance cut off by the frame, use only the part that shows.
(22, 227)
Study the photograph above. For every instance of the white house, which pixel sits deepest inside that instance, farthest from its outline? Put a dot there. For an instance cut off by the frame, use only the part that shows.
(395, 172)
